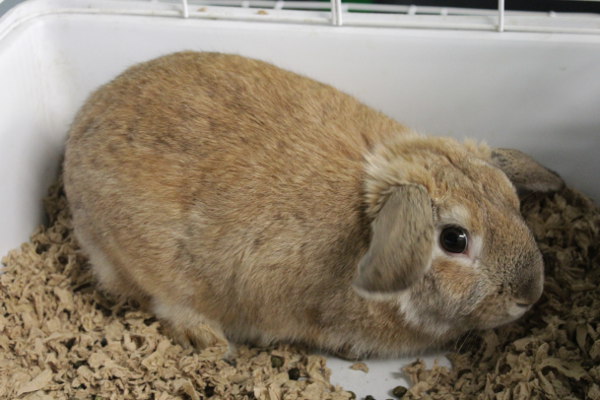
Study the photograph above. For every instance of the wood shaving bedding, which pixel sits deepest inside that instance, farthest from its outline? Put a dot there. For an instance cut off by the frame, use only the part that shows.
(360, 366)
(62, 339)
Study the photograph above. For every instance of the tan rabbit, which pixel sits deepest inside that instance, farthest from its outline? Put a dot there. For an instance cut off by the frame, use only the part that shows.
(243, 202)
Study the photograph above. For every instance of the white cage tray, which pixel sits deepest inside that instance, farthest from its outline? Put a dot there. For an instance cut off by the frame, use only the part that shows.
(539, 92)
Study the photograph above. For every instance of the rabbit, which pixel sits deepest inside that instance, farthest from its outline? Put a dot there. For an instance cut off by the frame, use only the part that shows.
(244, 203)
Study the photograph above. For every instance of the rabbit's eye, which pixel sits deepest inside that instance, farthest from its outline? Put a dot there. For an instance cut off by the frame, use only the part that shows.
(454, 239)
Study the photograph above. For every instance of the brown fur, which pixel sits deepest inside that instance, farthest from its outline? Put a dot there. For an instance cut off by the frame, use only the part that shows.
(237, 199)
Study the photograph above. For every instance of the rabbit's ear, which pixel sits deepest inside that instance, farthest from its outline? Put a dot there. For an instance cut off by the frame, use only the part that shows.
(525, 173)
(401, 243)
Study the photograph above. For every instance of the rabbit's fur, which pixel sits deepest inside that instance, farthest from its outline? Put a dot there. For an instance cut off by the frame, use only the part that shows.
(247, 203)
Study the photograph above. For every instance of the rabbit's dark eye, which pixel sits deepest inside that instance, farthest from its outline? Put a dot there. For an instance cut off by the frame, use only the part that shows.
(454, 239)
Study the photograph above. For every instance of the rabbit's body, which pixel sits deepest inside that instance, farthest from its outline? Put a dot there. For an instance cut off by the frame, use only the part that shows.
(227, 191)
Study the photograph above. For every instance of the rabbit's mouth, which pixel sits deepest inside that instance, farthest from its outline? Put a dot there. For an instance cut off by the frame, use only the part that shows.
(512, 312)
(516, 310)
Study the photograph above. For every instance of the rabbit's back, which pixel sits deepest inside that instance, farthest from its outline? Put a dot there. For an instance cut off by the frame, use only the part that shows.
(228, 124)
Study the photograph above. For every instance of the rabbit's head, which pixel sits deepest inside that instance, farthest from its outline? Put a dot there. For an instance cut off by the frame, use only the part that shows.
(448, 242)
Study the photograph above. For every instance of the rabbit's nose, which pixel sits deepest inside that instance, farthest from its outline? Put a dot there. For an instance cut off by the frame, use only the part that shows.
(528, 292)
(530, 285)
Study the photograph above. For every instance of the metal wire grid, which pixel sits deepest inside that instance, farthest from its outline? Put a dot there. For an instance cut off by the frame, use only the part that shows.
(385, 15)
(336, 13)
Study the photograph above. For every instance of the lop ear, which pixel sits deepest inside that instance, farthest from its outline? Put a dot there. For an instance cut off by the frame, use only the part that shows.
(525, 173)
(401, 242)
